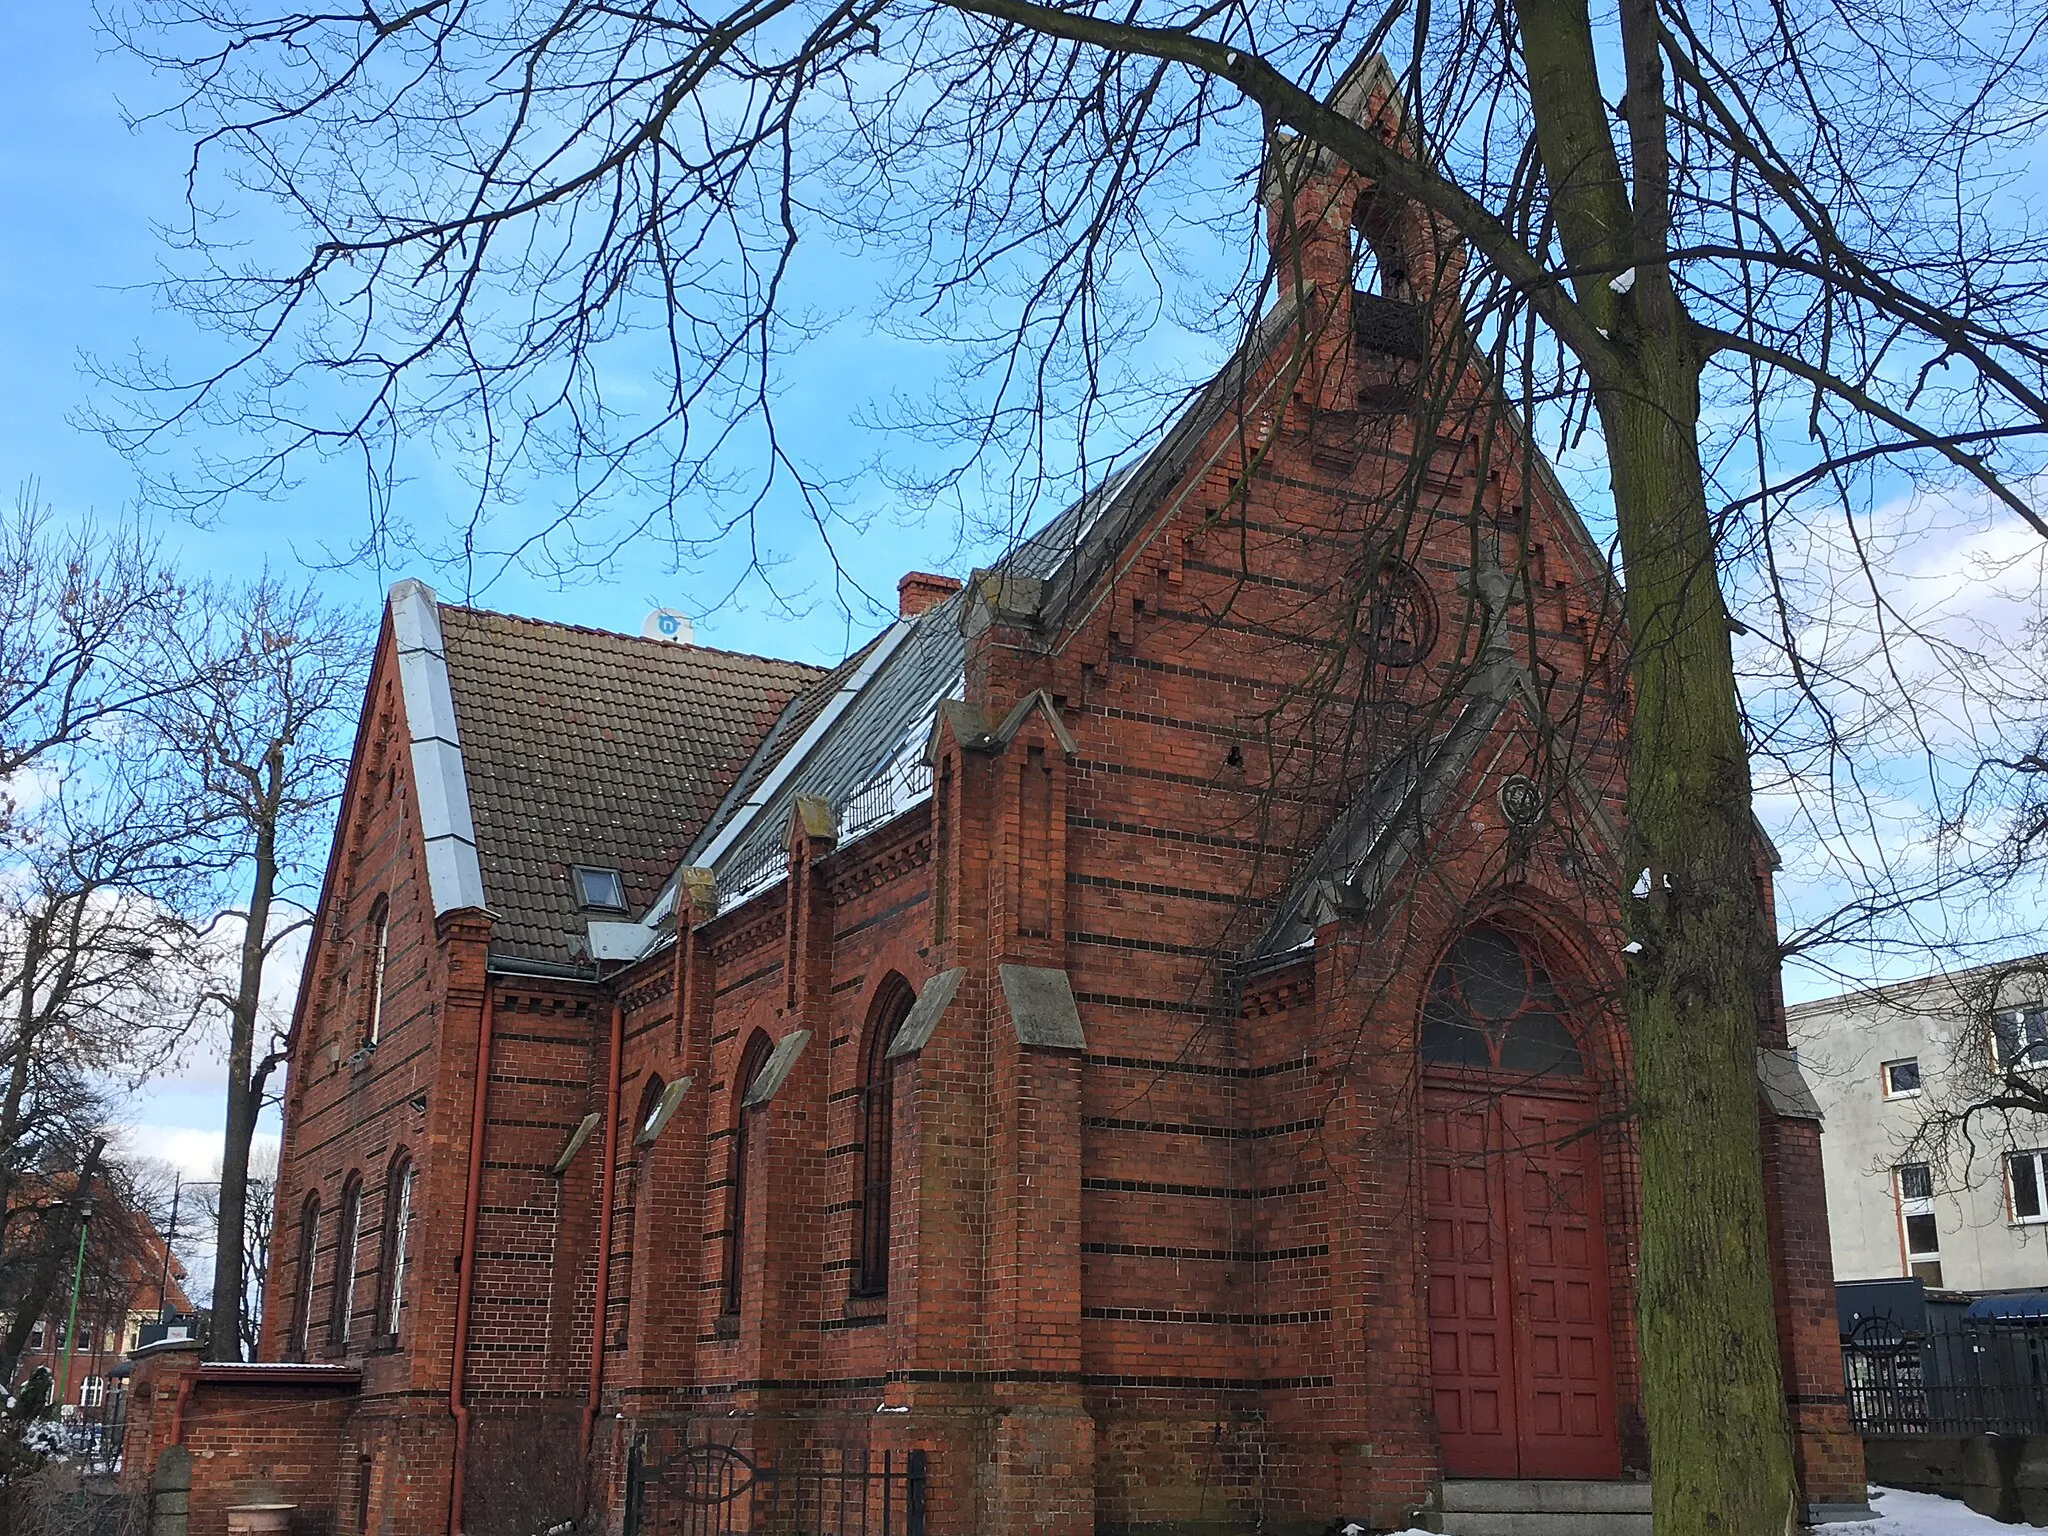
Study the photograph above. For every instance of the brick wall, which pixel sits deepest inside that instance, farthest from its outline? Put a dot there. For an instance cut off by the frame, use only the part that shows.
(255, 1434)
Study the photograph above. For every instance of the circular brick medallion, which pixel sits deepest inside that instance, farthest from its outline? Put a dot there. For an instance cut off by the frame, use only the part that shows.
(1403, 623)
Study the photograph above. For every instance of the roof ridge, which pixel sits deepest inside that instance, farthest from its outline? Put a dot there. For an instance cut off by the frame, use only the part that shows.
(1886, 991)
(615, 634)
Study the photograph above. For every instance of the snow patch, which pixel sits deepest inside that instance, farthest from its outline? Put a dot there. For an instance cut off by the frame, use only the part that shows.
(1921, 1514)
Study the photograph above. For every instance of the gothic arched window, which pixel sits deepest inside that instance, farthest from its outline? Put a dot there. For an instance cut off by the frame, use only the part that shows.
(397, 1242)
(877, 1109)
(302, 1295)
(1491, 1008)
(380, 940)
(347, 1239)
(752, 1060)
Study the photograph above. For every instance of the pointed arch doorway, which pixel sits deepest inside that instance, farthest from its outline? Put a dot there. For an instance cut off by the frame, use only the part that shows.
(1515, 1243)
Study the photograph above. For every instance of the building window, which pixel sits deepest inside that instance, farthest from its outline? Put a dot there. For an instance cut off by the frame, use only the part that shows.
(397, 1240)
(646, 1124)
(2026, 1182)
(380, 938)
(302, 1298)
(347, 1239)
(1914, 1183)
(752, 1060)
(893, 1003)
(92, 1392)
(1491, 1008)
(600, 888)
(2019, 1038)
(1902, 1079)
(35, 1337)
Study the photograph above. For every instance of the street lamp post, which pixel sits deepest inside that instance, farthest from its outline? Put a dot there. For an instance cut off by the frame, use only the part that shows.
(77, 1284)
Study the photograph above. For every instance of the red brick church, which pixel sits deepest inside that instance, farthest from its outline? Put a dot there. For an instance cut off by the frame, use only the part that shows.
(1134, 1043)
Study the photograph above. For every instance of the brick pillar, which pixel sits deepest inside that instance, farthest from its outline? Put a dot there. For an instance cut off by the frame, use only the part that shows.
(786, 1170)
(1381, 1426)
(937, 1326)
(668, 1222)
(1042, 1458)
(163, 1372)
(1827, 1453)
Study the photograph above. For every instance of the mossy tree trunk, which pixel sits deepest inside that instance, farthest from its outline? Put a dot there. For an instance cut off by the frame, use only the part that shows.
(1720, 1450)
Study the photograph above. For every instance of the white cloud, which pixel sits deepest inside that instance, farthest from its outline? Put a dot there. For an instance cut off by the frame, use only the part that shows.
(192, 1150)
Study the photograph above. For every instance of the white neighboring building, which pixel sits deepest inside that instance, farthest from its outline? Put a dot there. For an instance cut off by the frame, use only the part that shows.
(1963, 1212)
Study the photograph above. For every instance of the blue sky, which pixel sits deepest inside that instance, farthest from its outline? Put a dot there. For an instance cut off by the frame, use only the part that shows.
(87, 197)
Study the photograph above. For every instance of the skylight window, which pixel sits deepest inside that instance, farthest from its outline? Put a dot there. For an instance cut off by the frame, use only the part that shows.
(601, 888)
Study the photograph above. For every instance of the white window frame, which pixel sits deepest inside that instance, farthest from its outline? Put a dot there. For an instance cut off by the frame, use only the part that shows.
(401, 1231)
(1915, 1205)
(92, 1392)
(2039, 1158)
(1885, 1077)
(302, 1321)
(379, 945)
(345, 1263)
(2031, 1047)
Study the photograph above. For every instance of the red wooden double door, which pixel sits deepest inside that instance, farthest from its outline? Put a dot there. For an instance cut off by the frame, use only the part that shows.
(1521, 1350)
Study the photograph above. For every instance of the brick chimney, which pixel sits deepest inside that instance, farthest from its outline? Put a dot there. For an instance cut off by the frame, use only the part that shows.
(919, 590)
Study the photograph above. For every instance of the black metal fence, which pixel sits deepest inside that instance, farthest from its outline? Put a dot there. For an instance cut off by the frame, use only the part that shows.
(718, 1490)
(1956, 1376)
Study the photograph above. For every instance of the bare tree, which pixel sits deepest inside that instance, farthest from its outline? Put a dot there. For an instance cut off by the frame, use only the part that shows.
(72, 603)
(99, 967)
(259, 1204)
(260, 740)
(1768, 254)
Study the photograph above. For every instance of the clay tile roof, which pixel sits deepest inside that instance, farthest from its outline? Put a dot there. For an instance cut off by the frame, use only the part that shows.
(584, 747)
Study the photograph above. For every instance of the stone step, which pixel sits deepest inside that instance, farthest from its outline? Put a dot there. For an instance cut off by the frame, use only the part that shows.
(1545, 1495)
(1542, 1507)
(1540, 1523)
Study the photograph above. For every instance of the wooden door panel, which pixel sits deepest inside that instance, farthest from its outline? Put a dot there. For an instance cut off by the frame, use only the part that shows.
(1469, 1295)
(1520, 1357)
(1564, 1370)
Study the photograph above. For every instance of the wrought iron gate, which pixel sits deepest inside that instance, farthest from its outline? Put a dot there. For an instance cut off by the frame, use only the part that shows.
(1956, 1377)
(718, 1490)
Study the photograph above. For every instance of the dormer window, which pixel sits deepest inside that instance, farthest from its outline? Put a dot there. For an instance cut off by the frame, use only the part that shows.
(599, 888)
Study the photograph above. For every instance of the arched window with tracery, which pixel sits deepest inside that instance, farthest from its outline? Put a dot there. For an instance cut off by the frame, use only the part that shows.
(396, 1251)
(302, 1292)
(1492, 1008)
(347, 1241)
(752, 1060)
(892, 1006)
(380, 942)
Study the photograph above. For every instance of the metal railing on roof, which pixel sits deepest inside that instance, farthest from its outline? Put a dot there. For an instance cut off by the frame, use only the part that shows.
(883, 798)
(897, 788)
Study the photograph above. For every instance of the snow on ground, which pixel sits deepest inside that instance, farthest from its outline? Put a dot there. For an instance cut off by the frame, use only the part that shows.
(1921, 1514)
(1907, 1514)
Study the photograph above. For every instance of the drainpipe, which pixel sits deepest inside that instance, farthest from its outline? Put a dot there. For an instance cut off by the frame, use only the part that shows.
(178, 1408)
(466, 1270)
(604, 1225)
